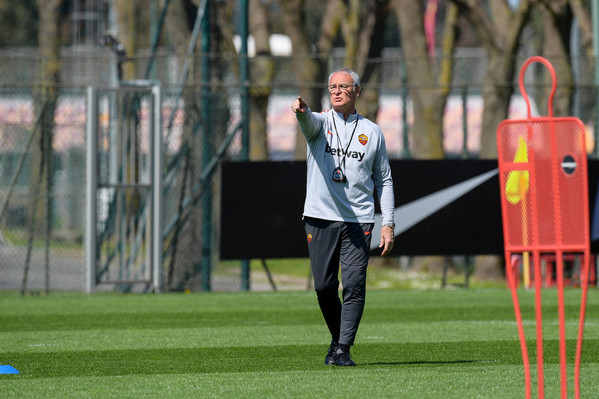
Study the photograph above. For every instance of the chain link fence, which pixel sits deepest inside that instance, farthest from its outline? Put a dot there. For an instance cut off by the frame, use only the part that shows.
(42, 190)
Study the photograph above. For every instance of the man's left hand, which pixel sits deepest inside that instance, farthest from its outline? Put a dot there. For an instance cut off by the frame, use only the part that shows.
(386, 240)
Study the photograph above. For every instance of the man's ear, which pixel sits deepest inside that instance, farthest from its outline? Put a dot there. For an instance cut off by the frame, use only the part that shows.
(358, 90)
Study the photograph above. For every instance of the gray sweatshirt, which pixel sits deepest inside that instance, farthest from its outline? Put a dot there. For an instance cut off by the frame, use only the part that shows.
(358, 146)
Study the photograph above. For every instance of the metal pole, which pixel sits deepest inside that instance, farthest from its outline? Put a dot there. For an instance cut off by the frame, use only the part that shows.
(245, 113)
(404, 123)
(245, 81)
(404, 110)
(91, 190)
(464, 112)
(157, 188)
(206, 245)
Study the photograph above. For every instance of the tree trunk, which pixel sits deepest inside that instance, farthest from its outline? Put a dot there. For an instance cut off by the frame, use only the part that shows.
(500, 32)
(581, 10)
(47, 94)
(308, 66)
(497, 92)
(557, 27)
(364, 57)
(45, 100)
(185, 240)
(127, 21)
(428, 94)
(262, 73)
(205, 125)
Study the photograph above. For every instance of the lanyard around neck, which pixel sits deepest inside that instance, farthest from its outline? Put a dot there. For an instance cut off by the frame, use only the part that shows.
(342, 160)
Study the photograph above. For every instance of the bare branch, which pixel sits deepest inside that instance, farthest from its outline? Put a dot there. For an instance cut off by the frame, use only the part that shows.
(478, 17)
(518, 20)
(329, 28)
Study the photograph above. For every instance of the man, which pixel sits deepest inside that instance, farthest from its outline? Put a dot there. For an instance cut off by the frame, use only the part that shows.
(346, 160)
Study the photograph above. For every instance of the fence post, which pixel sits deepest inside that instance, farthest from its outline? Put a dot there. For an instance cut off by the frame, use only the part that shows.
(91, 190)
(404, 110)
(157, 187)
(206, 260)
(245, 115)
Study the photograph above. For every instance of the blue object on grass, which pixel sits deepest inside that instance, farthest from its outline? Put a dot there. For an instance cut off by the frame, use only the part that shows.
(6, 369)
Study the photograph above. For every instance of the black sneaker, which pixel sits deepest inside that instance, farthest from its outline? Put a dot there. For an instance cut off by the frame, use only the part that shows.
(343, 358)
(331, 357)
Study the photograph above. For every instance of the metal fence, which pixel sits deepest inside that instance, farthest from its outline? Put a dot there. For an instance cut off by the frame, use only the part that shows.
(42, 215)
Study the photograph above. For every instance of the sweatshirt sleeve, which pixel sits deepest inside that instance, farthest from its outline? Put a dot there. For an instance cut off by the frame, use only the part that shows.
(384, 183)
(310, 123)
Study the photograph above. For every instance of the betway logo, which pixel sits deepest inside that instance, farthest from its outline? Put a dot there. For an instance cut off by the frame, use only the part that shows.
(414, 212)
(350, 154)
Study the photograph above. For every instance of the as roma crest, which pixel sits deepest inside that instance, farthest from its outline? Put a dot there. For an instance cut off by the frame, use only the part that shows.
(363, 139)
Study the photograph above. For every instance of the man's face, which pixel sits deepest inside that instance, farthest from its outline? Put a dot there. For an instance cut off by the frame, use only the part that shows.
(342, 92)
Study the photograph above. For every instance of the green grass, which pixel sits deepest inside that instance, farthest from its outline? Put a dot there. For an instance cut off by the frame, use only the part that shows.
(411, 344)
(385, 273)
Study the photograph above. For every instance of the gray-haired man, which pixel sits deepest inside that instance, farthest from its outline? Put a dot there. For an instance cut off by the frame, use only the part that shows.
(346, 160)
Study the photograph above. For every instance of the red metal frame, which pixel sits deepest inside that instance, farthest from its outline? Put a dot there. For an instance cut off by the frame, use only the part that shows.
(545, 211)
(549, 261)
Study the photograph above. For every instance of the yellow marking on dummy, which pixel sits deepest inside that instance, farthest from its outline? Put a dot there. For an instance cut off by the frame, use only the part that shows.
(517, 180)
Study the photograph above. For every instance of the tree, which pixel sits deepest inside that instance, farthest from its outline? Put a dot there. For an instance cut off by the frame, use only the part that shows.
(429, 87)
(557, 23)
(262, 73)
(558, 16)
(206, 115)
(581, 10)
(307, 58)
(499, 29)
(360, 23)
(362, 34)
(46, 97)
(15, 15)
(128, 22)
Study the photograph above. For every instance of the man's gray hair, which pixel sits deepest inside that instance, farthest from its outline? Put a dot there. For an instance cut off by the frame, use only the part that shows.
(348, 71)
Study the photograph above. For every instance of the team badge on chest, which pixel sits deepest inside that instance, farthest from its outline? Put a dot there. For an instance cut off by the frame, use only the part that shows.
(363, 139)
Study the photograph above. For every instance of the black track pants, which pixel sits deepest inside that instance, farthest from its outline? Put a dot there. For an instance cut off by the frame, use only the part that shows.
(332, 244)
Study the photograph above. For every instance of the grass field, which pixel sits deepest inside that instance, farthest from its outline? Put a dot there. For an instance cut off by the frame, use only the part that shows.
(411, 344)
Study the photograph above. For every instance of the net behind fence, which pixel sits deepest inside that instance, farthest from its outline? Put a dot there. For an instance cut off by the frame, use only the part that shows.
(30, 201)
(43, 214)
(36, 258)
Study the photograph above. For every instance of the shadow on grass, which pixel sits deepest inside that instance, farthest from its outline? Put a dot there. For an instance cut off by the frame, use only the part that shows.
(232, 359)
(425, 362)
